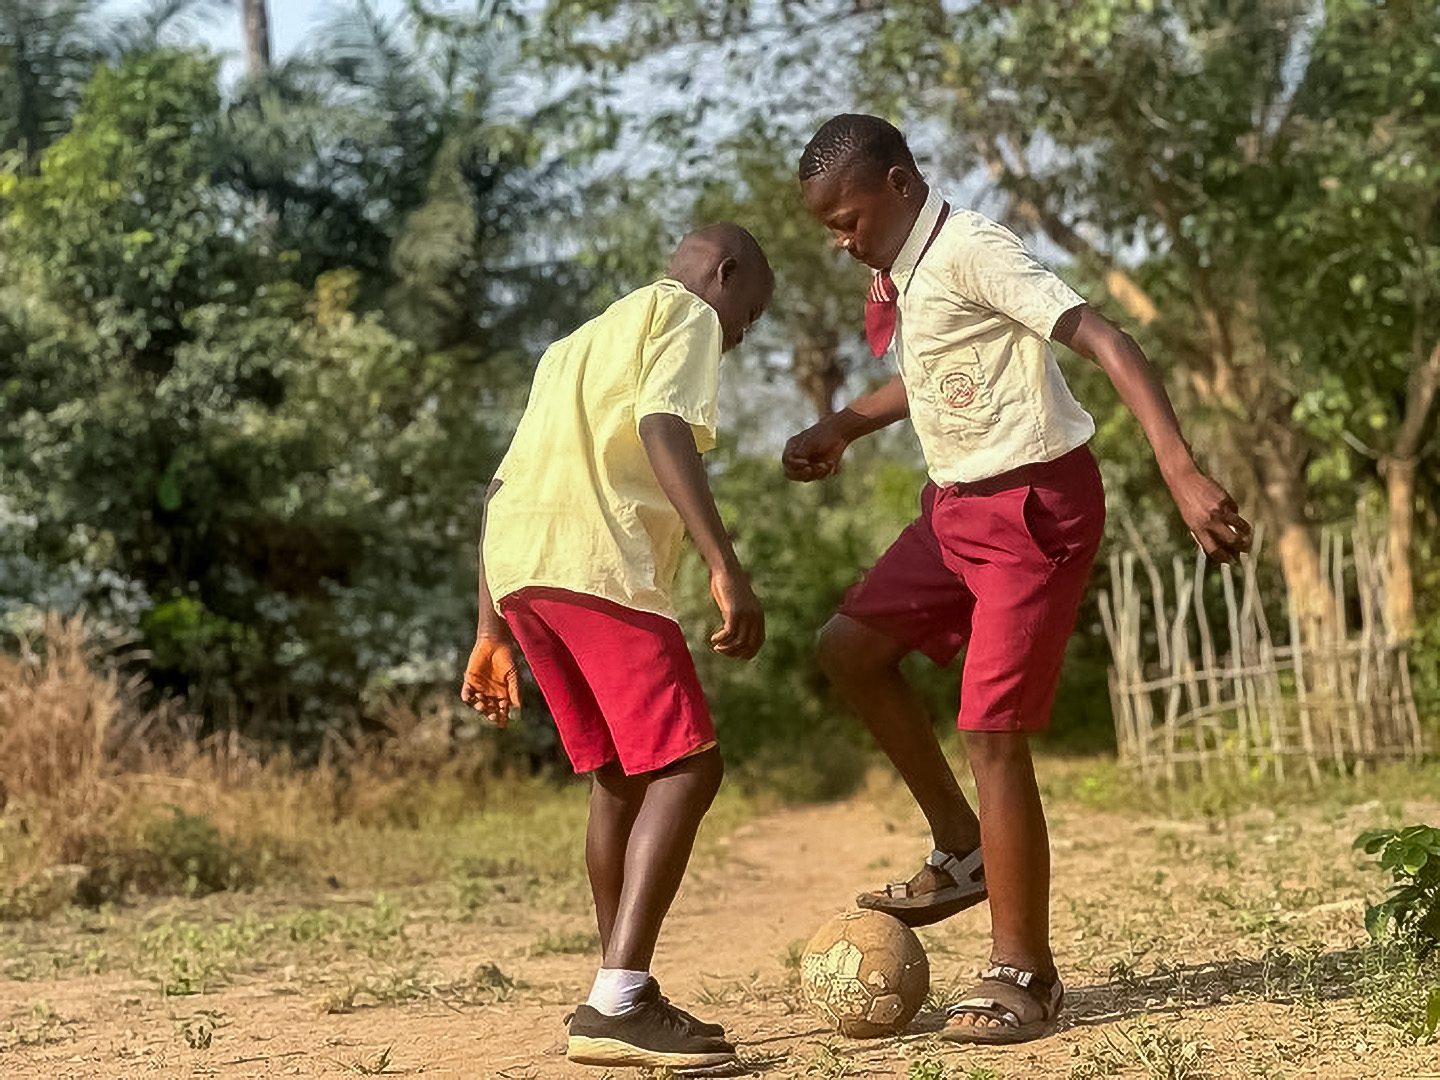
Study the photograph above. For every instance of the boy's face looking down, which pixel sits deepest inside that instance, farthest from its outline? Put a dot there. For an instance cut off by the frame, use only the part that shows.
(742, 295)
(724, 266)
(869, 211)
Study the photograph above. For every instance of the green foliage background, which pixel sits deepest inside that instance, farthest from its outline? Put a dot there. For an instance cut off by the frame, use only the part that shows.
(261, 344)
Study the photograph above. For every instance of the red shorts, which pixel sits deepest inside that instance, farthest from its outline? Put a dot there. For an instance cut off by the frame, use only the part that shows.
(620, 683)
(999, 566)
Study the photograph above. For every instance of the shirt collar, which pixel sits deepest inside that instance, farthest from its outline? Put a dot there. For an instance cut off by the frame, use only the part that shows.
(910, 251)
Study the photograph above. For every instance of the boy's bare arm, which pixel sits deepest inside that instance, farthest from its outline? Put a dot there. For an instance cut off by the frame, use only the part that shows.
(670, 445)
(1209, 511)
(492, 683)
(490, 623)
(815, 453)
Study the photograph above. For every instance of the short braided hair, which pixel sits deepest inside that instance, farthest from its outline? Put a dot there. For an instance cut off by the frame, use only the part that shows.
(854, 140)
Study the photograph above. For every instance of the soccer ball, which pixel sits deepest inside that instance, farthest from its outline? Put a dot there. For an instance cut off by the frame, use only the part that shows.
(866, 973)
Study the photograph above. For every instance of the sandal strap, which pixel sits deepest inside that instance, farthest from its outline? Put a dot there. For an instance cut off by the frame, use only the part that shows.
(965, 872)
(988, 1006)
(1048, 994)
(1014, 976)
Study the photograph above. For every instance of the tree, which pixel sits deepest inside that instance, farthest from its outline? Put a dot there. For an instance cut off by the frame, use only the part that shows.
(291, 485)
(260, 357)
(1168, 147)
(47, 51)
(256, 19)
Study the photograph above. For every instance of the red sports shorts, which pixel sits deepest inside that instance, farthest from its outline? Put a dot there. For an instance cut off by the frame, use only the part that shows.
(998, 568)
(620, 683)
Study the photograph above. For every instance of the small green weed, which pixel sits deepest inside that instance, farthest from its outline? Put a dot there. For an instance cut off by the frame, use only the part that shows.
(830, 1064)
(566, 943)
(378, 1067)
(198, 1031)
(1403, 992)
(45, 1026)
(486, 985)
(1161, 1053)
(1411, 913)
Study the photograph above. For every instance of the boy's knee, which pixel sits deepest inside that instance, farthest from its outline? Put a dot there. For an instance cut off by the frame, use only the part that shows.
(702, 772)
(997, 749)
(849, 652)
(612, 780)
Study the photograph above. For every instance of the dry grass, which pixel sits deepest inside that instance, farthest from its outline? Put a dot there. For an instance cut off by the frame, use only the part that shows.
(103, 795)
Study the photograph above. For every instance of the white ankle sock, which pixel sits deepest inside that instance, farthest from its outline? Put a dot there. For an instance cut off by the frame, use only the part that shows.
(616, 989)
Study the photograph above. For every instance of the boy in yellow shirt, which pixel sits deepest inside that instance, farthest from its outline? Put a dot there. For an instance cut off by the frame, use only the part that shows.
(580, 542)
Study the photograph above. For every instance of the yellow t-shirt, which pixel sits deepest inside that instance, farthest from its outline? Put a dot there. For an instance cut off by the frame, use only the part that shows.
(579, 507)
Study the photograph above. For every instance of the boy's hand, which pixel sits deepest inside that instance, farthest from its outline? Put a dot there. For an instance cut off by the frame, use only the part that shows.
(744, 629)
(492, 682)
(1211, 515)
(814, 453)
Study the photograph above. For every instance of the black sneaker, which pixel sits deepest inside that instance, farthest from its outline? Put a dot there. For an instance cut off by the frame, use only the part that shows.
(654, 1034)
(700, 1027)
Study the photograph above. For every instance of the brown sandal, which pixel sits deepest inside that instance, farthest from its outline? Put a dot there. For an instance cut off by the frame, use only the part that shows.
(1026, 1006)
(903, 899)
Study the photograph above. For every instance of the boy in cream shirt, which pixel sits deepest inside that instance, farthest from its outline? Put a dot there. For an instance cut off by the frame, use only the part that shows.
(582, 534)
(997, 562)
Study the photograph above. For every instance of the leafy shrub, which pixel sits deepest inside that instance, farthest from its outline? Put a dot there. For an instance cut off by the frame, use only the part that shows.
(1411, 913)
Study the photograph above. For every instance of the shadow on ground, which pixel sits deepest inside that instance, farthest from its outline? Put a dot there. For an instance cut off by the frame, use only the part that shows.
(1280, 978)
(1277, 977)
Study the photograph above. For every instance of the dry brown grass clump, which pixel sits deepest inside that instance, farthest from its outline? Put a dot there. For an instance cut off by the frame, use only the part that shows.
(102, 795)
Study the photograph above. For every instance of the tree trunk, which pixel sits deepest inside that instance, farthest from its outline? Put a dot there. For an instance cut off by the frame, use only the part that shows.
(1278, 469)
(257, 38)
(818, 371)
(27, 104)
(1398, 469)
(1399, 476)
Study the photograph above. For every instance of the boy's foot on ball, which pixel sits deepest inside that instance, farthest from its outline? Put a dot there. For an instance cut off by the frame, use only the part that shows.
(946, 885)
(653, 1034)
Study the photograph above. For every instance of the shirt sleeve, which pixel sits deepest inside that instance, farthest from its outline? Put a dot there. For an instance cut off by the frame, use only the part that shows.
(995, 269)
(680, 365)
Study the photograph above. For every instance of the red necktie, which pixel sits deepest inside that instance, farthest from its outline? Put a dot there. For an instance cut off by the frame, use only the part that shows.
(881, 310)
(882, 303)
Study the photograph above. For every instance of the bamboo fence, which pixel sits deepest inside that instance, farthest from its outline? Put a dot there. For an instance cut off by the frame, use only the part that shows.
(1196, 692)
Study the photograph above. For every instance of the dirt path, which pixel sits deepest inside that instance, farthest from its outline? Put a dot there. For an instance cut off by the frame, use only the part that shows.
(1192, 949)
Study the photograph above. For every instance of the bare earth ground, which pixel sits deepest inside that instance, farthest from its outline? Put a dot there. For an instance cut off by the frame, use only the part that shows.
(1207, 946)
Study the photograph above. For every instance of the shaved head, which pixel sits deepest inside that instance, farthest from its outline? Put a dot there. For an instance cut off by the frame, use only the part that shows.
(726, 267)
(701, 251)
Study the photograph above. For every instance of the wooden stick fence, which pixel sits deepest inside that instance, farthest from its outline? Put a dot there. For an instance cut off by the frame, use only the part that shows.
(1191, 699)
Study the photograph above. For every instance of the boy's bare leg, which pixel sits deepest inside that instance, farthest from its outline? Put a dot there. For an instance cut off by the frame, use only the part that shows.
(864, 665)
(661, 838)
(615, 801)
(1017, 850)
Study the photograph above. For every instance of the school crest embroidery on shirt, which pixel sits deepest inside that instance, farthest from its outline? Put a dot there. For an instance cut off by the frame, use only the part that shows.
(958, 390)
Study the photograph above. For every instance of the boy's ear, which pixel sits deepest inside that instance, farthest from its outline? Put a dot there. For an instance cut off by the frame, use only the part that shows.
(900, 180)
(728, 268)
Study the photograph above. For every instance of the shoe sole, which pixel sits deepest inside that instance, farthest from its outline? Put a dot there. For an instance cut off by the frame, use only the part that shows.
(1000, 1036)
(915, 914)
(587, 1051)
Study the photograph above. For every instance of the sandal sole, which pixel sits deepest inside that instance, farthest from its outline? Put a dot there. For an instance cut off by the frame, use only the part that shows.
(1001, 1036)
(914, 914)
